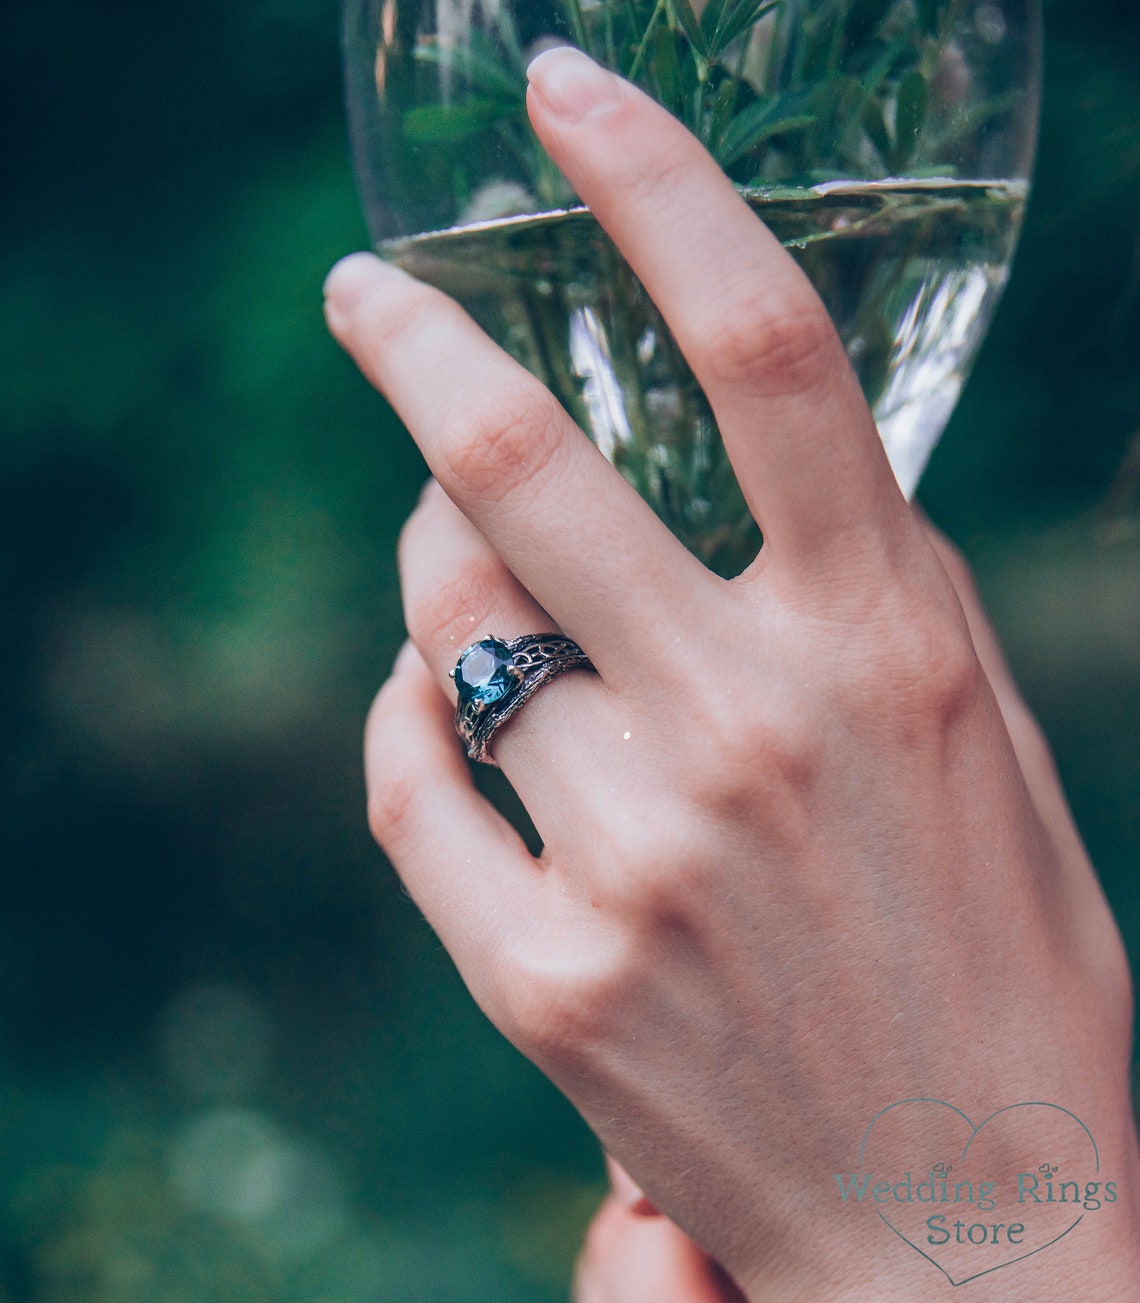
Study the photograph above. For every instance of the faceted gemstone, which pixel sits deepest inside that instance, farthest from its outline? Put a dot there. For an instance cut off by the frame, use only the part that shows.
(483, 673)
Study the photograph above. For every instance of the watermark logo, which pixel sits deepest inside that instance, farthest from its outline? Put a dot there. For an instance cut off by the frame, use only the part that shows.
(974, 1198)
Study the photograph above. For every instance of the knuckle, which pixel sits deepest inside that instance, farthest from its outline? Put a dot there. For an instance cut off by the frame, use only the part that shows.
(659, 172)
(454, 612)
(924, 670)
(956, 566)
(386, 319)
(942, 673)
(957, 570)
(1030, 743)
(774, 347)
(657, 878)
(394, 802)
(663, 869)
(1099, 959)
(758, 762)
(1119, 990)
(560, 1014)
(496, 450)
(670, 899)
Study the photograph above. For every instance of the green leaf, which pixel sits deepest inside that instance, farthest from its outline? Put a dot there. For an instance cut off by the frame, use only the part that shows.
(878, 72)
(763, 119)
(744, 127)
(479, 64)
(711, 17)
(510, 39)
(844, 110)
(780, 127)
(723, 23)
(664, 64)
(968, 122)
(822, 43)
(577, 26)
(640, 47)
(910, 116)
(877, 132)
(681, 11)
(724, 101)
(749, 15)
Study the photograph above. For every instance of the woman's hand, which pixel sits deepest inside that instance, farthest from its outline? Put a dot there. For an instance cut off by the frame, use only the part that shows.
(633, 1259)
(792, 869)
(634, 1254)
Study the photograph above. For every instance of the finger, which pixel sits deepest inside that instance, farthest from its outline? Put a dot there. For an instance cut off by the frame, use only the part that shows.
(455, 587)
(587, 1287)
(1029, 743)
(462, 863)
(570, 528)
(802, 440)
(635, 1259)
(457, 590)
(990, 654)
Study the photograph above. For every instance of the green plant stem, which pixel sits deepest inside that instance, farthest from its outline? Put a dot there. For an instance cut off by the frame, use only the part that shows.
(574, 10)
(639, 57)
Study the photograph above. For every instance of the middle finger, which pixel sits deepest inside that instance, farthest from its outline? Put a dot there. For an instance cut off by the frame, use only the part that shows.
(801, 438)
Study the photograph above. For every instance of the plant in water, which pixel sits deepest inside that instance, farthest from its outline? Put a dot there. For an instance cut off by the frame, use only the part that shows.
(885, 142)
(781, 92)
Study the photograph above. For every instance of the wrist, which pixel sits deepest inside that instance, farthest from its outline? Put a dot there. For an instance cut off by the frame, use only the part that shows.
(1051, 1251)
(1106, 1271)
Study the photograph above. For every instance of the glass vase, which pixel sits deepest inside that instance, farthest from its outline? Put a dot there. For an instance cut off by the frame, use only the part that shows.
(887, 143)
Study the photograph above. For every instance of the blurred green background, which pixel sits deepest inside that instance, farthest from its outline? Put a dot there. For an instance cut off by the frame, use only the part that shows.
(234, 1062)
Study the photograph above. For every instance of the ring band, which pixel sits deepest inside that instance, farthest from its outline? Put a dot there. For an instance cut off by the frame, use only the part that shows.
(495, 676)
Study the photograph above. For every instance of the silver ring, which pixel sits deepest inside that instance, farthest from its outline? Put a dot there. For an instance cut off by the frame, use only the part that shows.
(495, 676)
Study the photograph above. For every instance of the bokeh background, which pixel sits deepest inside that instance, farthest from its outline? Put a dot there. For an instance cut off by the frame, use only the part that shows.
(234, 1062)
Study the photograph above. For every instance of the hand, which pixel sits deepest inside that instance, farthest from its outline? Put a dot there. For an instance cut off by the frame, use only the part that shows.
(792, 869)
(633, 1253)
(632, 1259)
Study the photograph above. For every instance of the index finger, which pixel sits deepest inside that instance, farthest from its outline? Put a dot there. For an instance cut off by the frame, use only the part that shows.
(568, 526)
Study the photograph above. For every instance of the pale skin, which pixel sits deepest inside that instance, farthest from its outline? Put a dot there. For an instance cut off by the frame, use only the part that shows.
(632, 1253)
(789, 817)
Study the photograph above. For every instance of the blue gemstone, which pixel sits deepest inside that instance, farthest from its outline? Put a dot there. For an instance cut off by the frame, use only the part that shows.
(483, 673)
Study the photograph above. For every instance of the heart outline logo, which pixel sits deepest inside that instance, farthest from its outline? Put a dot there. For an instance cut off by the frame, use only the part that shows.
(974, 1131)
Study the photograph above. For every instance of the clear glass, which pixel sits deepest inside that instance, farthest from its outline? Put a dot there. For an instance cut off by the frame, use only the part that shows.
(887, 143)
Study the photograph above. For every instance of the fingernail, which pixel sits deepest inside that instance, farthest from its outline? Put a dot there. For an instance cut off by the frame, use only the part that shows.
(572, 85)
(351, 281)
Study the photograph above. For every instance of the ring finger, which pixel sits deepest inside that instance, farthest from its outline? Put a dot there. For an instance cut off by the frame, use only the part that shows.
(456, 590)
